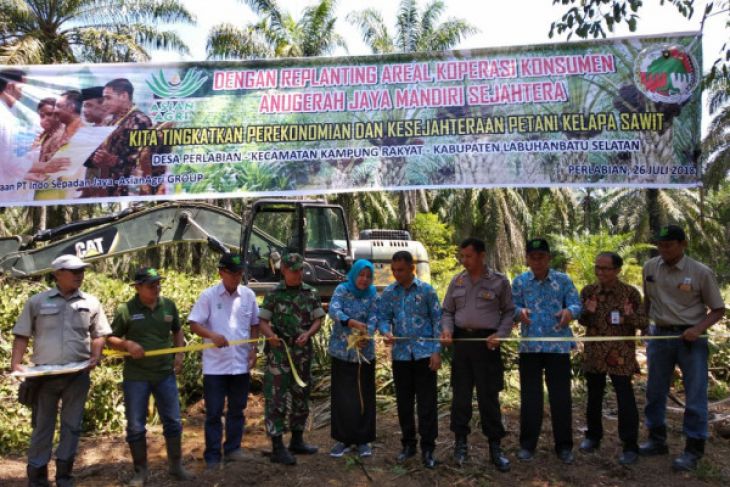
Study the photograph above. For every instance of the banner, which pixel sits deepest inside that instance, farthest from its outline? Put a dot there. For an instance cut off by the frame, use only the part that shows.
(588, 114)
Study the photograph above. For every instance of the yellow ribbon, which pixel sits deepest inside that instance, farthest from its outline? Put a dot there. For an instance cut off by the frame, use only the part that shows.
(195, 347)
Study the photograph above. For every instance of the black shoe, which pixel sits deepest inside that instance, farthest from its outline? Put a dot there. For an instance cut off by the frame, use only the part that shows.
(566, 456)
(694, 450)
(461, 450)
(428, 460)
(589, 445)
(407, 452)
(653, 447)
(37, 476)
(656, 444)
(279, 454)
(525, 455)
(497, 458)
(297, 444)
(686, 462)
(628, 457)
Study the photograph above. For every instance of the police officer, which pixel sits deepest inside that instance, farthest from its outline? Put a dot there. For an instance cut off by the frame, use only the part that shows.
(292, 313)
(478, 304)
(67, 326)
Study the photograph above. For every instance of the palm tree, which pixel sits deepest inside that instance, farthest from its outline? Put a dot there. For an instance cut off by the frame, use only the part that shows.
(68, 31)
(499, 216)
(415, 30)
(277, 33)
(644, 211)
(716, 144)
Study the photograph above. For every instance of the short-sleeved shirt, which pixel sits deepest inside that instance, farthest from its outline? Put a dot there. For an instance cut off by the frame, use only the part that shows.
(545, 298)
(345, 306)
(682, 293)
(413, 313)
(62, 328)
(482, 304)
(152, 329)
(231, 315)
(612, 357)
(291, 310)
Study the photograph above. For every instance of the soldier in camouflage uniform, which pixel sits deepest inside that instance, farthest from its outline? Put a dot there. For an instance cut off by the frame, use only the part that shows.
(292, 314)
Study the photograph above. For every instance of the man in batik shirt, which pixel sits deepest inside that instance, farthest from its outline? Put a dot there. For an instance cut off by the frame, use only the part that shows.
(116, 158)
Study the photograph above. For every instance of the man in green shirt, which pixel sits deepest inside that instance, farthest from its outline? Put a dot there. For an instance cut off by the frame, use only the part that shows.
(150, 322)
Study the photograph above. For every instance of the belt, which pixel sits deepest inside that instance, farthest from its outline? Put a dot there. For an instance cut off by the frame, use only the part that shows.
(474, 331)
(673, 328)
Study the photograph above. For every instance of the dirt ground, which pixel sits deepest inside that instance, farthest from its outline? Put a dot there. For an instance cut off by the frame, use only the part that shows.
(104, 461)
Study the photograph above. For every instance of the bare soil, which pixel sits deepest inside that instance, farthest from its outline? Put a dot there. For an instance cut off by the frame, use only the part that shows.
(104, 461)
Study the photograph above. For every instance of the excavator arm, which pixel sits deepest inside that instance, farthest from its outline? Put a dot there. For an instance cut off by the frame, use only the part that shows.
(131, 230)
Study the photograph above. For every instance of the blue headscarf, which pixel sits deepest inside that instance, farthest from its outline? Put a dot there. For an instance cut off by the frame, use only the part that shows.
(351, 285)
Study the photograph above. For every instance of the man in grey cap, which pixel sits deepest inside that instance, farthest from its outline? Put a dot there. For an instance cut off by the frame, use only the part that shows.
(67, 325)
(683, 299)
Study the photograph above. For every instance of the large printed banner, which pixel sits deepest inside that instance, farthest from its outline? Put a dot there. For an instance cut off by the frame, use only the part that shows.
(609, 113)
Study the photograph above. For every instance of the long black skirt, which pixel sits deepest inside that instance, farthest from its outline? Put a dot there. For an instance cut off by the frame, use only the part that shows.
(353, 402)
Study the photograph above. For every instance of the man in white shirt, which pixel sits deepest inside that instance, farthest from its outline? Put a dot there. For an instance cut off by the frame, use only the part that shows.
(223, 313)
(18, 128)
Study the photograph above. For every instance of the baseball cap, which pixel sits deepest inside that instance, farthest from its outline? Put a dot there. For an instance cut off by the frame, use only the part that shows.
(147, 274)
(538, 245)
(231, 262)
(670, 232)
(293, 261)
(68, 261)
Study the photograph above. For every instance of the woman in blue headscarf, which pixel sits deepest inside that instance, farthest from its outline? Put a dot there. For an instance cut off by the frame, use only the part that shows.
(352, 310)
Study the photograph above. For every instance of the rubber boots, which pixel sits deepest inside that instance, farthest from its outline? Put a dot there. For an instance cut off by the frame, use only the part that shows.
(37, 476)
(174, 459)
(63, 473)
(139, 460)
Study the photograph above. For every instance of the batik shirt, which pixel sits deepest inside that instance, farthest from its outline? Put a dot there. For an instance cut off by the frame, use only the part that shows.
(118, 144)
(616, 358)
(545, 299)
(414, 313)
(343, 306)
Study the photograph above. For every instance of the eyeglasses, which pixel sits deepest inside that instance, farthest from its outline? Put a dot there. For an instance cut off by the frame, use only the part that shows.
(603, 268)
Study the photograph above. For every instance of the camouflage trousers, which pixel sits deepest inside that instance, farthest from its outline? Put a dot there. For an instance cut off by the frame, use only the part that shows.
(283, 396)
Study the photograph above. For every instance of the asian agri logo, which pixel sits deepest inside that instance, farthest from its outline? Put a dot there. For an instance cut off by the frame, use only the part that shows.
(173, 107)
(666, 74)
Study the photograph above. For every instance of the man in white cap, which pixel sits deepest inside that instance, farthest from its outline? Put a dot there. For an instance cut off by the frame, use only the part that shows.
(67, 326)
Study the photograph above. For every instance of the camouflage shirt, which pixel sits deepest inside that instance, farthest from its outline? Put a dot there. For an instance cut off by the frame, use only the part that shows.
(291, 310)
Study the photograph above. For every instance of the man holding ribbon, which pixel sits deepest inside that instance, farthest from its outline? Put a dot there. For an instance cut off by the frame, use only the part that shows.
(477, 307)
(409, 309)
(224, 313)
(290, 315)
(546, 301)
(679, 292)
(67, 325)
(611, 308)
(149, 322)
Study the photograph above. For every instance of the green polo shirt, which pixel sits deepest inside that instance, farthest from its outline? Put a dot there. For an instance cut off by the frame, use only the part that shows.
(152, 329)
